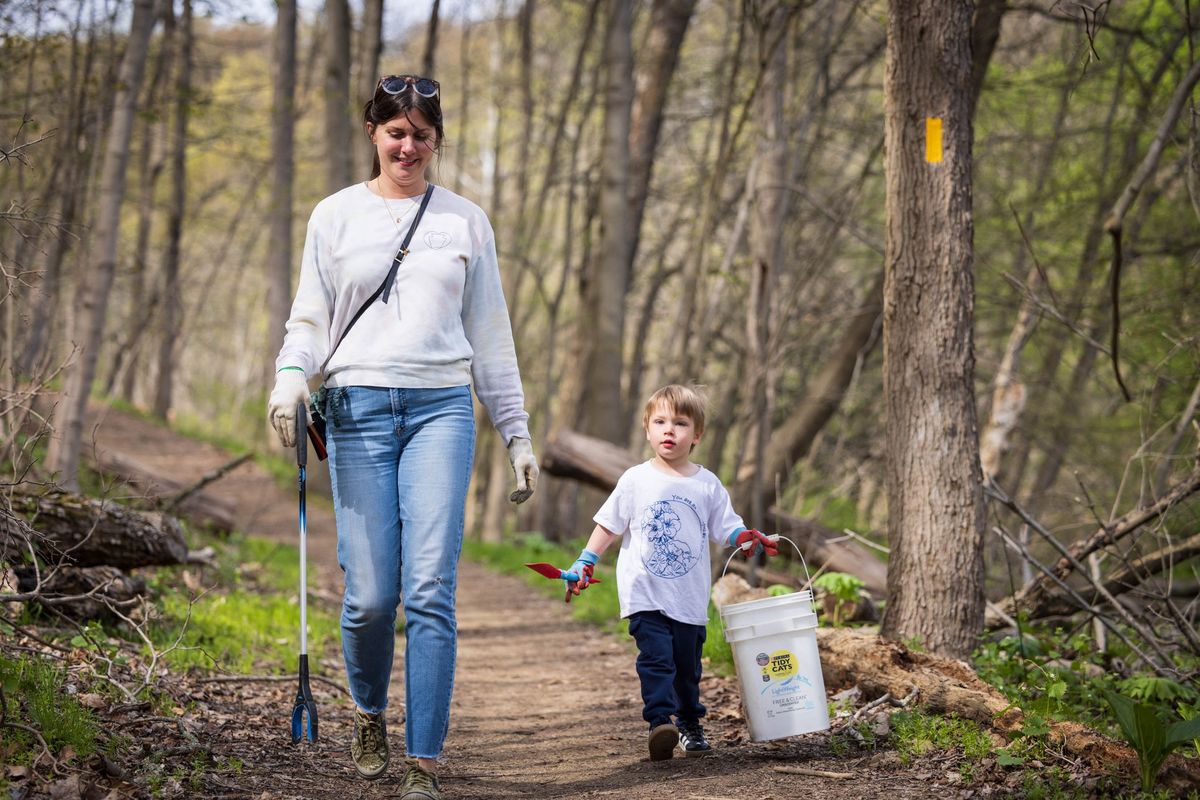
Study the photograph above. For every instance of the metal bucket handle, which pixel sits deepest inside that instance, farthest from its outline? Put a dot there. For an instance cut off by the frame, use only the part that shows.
(775, 537)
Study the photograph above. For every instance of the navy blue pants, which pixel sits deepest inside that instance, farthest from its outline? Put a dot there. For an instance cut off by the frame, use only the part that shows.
(668, 665)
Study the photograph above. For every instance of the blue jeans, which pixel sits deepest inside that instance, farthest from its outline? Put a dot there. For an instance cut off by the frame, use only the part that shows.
(668, 665)
(400, 461)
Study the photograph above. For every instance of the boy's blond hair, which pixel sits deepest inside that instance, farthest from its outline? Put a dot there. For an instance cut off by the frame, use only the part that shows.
(687, 401)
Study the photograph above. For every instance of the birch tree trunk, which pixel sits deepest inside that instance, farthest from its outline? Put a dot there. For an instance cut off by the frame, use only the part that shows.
(279, 249)
(935, 504)
(604, 300)
(171, 290)
(337, 95)
(96, 283)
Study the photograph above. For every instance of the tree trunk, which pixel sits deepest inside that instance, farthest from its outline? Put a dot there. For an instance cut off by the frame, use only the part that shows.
(337, 95)
(171, 290)
(370, 48)
(768, 205)
(669, 20)
(92, 300)
(935, 504)
(429, 62)
(603, 315)
(279, 247)
(47, 300)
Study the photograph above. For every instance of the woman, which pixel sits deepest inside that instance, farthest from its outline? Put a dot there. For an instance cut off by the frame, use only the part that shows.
(400, 424)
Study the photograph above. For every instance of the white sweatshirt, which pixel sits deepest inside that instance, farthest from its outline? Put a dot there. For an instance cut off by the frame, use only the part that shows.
(445, 322)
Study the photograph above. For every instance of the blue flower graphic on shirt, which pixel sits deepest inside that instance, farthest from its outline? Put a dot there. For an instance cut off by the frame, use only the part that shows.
(668, 557)
(660, 523)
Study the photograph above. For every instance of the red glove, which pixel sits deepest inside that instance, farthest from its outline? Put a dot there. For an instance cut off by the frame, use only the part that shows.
(759, 543)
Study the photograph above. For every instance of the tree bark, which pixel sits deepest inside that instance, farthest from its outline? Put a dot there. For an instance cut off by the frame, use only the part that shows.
(768, 206)
(370, 48)
(150, 166)
(171, 291)
(429, 62)
(279, 246)
(935, 504)
(604, 302)
(669, 21)
(92, 300)
(337, 95)
(87, 532)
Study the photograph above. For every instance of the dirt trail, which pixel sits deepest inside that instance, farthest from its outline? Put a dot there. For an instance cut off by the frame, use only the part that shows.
(544, 706)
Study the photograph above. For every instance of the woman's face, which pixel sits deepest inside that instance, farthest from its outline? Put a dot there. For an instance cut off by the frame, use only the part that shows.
(405, 145)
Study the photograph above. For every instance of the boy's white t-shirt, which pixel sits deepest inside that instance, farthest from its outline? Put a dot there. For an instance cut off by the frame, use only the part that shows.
(665, 522)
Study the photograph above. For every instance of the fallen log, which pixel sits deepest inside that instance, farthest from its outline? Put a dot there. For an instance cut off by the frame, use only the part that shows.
(1044, 588)
(80, 593)
(944, 686)
(600, 464)
(62, 527)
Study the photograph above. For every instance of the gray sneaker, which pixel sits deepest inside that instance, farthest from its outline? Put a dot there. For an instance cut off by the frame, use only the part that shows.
(662, 741)
(418, 783)
(369, 747)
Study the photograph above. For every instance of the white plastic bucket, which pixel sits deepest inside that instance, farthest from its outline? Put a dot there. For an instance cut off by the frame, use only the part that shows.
(774, 643)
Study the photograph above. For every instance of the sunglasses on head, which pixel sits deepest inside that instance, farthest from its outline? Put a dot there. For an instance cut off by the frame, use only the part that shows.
(395, 84)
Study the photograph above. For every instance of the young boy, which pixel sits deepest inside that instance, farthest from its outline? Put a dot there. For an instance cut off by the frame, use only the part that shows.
(665, 511)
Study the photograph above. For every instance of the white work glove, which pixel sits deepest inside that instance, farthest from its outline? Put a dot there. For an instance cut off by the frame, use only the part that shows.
(524, 464)
(290, 389)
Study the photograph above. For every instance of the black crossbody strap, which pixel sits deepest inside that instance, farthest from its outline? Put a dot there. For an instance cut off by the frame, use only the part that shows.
(385, 288)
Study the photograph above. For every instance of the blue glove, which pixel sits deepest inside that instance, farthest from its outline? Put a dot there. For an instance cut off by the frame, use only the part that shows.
(579, 576)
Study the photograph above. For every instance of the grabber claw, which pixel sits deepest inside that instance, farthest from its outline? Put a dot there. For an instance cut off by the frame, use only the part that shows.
(304, 706)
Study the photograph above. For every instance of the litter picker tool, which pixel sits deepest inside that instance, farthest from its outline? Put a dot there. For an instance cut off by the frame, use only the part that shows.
(554, 573)
(304, 705)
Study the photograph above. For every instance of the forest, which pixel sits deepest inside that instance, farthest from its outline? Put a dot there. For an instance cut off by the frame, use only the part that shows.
(935, 264)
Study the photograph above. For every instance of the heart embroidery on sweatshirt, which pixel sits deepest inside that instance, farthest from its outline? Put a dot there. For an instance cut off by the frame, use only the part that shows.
(436, 240)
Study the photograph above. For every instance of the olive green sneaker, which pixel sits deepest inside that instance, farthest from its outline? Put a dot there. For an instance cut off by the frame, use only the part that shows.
(418, 783)
(369, 747)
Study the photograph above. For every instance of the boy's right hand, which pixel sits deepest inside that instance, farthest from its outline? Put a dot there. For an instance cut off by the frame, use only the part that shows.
(582, 571)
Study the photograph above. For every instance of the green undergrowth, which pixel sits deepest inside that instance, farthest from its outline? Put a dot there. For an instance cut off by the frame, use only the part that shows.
(598, 604)
(36, 699)
(1062, 676)
(241, 614)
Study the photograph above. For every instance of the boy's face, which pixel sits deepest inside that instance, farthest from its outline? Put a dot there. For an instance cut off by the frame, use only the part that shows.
(671, 434)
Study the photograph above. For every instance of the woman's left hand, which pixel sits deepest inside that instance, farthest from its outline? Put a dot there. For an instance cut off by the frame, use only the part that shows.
(524, 464)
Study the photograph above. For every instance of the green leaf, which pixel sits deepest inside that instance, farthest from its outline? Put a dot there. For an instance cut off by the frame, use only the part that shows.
(1182, 732)
(1034, 726)
(1006, 758)
(1145, 733)
(1057, 690)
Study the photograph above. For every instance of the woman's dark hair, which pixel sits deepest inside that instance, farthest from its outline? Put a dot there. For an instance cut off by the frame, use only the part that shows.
(383, 107)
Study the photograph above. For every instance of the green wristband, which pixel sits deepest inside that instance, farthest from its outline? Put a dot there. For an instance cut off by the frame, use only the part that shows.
(284, 369)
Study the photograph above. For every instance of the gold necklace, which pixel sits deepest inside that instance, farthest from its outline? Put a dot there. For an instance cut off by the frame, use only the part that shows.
(397, 219)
